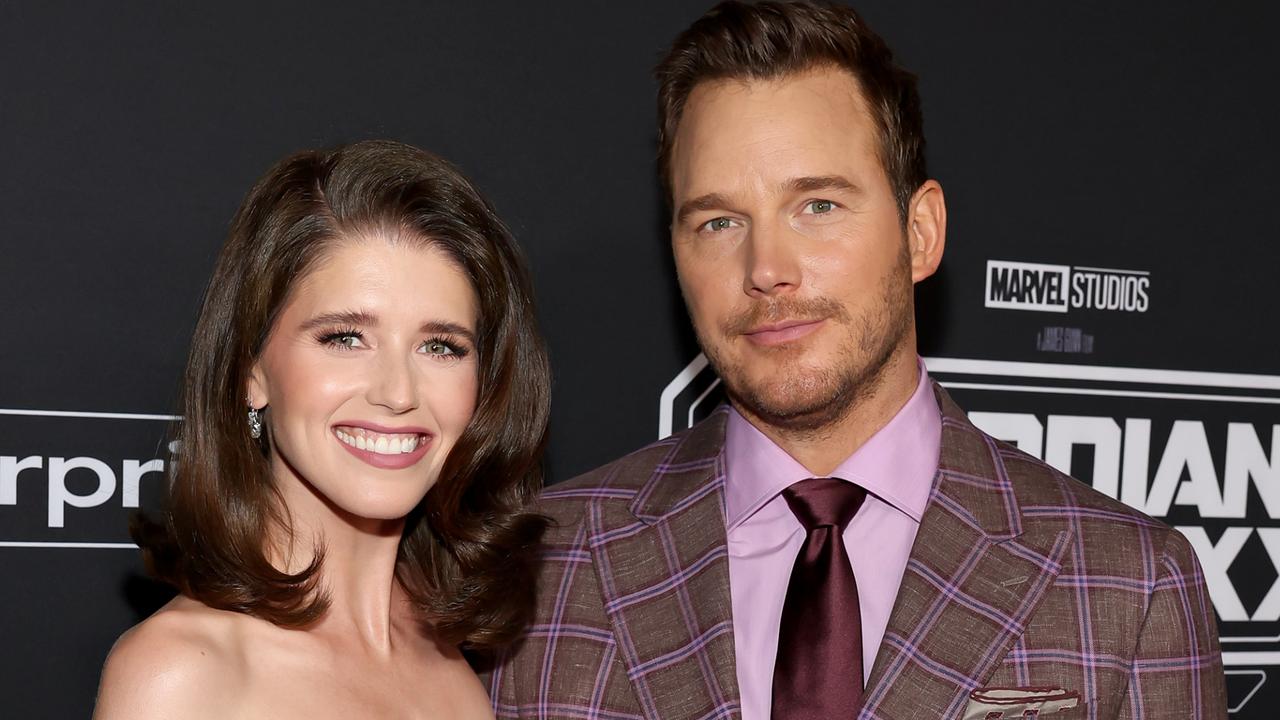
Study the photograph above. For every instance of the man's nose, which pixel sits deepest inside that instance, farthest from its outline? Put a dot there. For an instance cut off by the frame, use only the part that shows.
(773, 264)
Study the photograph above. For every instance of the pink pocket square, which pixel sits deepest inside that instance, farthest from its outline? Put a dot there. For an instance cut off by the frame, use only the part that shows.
(1006, 703)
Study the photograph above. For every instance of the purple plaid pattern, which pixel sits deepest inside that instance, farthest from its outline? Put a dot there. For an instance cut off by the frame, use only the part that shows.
(1019, 577)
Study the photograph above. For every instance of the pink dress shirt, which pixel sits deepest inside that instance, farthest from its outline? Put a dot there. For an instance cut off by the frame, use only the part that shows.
(896, 466)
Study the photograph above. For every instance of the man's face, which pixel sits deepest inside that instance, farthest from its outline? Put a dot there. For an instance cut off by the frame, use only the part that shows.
(790, 251)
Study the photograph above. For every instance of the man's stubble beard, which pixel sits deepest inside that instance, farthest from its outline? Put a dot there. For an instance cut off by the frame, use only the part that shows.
(807, 402)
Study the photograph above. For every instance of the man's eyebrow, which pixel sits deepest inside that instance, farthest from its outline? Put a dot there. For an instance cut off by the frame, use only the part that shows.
(812, 183)
(808, 183)
(710, 201)
(444, 327)
(343, 317)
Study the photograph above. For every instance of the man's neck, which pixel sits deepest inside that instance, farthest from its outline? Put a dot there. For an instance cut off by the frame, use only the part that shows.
(822, 450)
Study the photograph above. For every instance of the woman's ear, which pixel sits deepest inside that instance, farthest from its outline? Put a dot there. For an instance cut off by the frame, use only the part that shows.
(257, 392)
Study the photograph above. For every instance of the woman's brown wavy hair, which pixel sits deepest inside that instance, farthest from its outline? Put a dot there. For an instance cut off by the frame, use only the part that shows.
(468, 553)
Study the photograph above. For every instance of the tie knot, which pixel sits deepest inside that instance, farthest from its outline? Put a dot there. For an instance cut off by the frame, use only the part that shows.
(819, 502)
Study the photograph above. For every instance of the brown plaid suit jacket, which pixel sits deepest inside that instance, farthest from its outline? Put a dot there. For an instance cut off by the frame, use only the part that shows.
(1019, 577)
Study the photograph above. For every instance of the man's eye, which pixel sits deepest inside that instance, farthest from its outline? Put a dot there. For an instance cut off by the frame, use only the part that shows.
(717, 224)
(819, 207)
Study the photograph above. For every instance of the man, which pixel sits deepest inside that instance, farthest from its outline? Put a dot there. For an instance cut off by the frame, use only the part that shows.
(840, 539)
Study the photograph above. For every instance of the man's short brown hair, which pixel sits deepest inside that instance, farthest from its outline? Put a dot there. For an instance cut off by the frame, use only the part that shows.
(768, 40)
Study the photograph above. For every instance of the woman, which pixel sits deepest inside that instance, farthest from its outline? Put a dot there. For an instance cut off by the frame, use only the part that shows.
(365, 408)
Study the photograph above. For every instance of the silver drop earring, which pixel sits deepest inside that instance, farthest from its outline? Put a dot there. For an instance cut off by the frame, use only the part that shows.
(255, 423)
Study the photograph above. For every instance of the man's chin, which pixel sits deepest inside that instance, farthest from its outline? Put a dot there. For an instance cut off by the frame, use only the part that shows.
(793, 417)
(798, 406)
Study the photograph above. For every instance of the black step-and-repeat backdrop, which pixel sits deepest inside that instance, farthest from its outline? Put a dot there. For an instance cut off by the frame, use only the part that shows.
(1108, 299)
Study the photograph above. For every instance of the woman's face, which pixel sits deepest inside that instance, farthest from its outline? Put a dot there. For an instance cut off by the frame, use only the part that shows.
(370, 374)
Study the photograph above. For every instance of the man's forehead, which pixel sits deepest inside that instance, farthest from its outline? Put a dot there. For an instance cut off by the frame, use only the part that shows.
(824, 84)
(770, 131)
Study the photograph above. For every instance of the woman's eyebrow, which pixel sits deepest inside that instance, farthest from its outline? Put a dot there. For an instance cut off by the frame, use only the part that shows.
(344, 317)
(444, 327)
(362, 318)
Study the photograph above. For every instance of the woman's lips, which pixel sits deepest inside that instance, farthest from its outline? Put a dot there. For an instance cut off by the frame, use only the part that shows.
(782, 332)
(383, 447)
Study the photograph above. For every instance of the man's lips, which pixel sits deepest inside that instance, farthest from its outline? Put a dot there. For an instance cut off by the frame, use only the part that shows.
(781, 332)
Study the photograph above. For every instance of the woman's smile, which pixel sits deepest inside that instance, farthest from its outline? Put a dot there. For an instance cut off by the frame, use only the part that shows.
(392, 450)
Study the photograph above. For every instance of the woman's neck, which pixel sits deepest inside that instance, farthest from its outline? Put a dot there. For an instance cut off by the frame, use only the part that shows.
(366, 602)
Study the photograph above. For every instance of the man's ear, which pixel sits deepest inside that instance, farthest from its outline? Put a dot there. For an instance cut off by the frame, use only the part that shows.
(926, 230)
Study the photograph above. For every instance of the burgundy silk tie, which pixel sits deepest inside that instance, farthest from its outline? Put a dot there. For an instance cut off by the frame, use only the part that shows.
(818, 673)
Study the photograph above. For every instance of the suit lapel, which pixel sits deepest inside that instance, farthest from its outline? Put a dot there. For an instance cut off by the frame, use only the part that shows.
(664, 577)
(973, 579)
(974, 576)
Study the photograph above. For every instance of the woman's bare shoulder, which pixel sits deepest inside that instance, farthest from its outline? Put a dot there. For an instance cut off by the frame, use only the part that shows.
(186, 661)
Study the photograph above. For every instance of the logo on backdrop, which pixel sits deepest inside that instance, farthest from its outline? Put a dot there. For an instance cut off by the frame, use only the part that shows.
(1063, 288)
(72, 478)
(1201, 450)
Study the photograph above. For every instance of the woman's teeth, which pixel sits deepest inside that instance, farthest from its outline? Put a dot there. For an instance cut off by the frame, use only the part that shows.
(379, 443)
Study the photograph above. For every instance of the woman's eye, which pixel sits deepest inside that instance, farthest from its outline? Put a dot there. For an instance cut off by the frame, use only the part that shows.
(344, 341)
(820, 207)
(717, 224)
(437, 347)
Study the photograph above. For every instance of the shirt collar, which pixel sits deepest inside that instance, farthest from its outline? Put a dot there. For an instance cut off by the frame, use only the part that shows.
(896, 464)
